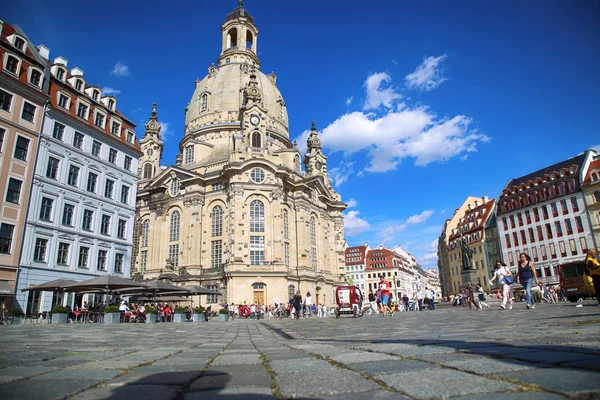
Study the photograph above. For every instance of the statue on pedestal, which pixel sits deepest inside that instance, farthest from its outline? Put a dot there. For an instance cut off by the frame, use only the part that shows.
(467, 255)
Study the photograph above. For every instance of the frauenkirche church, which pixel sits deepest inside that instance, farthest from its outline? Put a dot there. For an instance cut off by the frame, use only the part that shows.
(237, 212)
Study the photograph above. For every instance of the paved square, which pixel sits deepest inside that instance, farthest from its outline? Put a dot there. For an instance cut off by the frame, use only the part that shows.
(449, 352)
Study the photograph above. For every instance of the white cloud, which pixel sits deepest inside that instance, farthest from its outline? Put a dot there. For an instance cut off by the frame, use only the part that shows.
(341, 173)
(352, 203)
(376, 95)
(394, 62)
(419, 218)
(353, 224)
(596, 147)
(407, 133)
(120, 69)
(165, 132)
(428, 75)
(349, 100)
(429, 257)
(108, 90)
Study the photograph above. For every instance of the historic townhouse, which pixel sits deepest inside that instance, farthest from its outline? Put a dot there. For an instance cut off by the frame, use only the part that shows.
(356, 265)
(82, 206)
(591, 190)
(23, 80)
(433, 281)
(395, 270)
(470, 227)
(543, 214)
(237, 211)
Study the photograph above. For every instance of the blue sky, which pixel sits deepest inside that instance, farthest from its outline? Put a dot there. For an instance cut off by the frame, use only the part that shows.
(419, 104)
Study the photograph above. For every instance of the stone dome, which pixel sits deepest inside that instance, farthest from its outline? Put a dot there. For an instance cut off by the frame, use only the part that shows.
(222, 90)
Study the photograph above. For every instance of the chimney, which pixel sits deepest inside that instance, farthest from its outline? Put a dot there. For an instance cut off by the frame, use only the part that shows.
(485, 199)
(60, 60)
(44, 51)
(77, 71)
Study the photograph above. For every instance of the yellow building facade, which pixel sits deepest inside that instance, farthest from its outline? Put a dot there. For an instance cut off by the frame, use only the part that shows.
(238, 212)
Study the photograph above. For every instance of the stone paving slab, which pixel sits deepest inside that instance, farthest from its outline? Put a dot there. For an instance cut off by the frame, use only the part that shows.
(229, 359)
(147, 392)
(239, 393)
(13, 374)
(390, 366)
(487, 366)
(299, 365)
(216, 380)
(559, 379)
(516, 396)
(442, 383)
(361, 357)
(316, 383)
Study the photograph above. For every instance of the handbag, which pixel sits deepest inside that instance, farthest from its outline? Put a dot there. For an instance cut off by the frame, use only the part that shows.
(509, 279)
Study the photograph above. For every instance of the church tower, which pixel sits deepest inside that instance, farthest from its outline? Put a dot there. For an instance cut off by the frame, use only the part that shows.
(315, 161)
(239, 38)
(152, 147)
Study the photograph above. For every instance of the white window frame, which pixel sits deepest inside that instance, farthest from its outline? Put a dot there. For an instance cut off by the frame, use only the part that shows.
(113, 121)
(30, 72)
(104, 119)
(12, 102)
(67, 96)
(89, 107)
(5, 61)
(13, 38)
(130, 133)
(35, 112)
(55, 69)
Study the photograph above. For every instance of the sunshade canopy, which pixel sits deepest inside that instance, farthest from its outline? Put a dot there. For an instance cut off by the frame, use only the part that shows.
(52, 286)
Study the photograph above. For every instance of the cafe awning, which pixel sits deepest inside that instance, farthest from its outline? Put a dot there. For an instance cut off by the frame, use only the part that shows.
(5, 289)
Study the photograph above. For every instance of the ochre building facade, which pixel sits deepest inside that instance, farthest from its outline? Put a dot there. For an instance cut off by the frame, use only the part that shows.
(241, 211)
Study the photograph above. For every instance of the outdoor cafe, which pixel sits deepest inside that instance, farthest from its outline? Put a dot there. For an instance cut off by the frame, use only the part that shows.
(109, 299)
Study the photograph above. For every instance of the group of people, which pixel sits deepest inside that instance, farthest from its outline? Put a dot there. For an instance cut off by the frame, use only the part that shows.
(382, 300)
(526, 275)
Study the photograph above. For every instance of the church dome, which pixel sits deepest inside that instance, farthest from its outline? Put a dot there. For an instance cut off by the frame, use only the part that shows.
(219, 97)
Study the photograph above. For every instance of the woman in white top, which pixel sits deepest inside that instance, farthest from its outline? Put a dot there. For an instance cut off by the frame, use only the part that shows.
(500, 273)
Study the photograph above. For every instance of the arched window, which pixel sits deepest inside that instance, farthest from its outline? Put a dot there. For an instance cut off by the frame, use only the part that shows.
(257, 216)
(258, 286)
(204, 102)
(175, 187)
(12, 64)
(145, 232)
(597, 196)
(291, 291)
(174, 228)
(249, 40)
(217, 221)
(148, 170)
(232, 38)
(189, 154)
(297, 166)
(313, 231)
(256, 139)
(286, 224)
(594, 176)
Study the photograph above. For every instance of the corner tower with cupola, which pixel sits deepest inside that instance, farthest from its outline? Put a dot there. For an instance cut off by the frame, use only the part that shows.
(237, 212)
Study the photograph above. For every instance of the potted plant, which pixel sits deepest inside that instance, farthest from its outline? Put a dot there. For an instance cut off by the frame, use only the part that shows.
(151, 315)
(199, 311)
(16, 314)
(223, 314)
(179, 314)
(59, 314)
(112, 315)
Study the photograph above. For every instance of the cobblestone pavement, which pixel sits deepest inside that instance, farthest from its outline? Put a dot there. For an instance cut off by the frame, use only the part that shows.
(549, 353)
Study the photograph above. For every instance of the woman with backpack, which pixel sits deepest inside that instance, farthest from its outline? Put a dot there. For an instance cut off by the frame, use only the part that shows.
(501, 273)
(526, 274)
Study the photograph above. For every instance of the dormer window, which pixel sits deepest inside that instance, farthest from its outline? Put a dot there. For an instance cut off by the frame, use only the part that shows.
(130, 137)
(95, 95)
(60, 74)
(100, 118)
(63, 101)
(78, 85)
(111, 104)
(82, 111)
(116, 128)
(19, 43)
(35, 78)
(12, 64)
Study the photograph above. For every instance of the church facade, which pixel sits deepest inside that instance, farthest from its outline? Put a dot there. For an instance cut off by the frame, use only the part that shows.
(240, 211)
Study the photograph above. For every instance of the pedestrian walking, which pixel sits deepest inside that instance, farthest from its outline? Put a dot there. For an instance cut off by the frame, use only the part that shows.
(593, 266)
(501, 271)
(481, 296)
(297, 304)
(307, 305)
(384, 287)
(471, 299)
(372, 302)
(526, 275)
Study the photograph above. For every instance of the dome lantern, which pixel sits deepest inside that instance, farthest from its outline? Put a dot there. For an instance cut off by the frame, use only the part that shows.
(239, 38)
